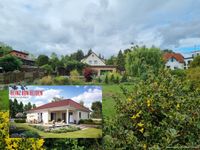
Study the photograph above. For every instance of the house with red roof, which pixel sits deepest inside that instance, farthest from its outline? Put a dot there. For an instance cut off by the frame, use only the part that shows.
(67, 111)
(174, 61)
(23, 56)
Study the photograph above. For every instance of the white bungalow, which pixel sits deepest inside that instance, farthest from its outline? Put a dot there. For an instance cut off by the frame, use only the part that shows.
(66, 110)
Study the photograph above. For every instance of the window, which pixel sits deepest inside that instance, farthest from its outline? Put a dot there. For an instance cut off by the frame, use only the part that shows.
(88, 115)
(95, 62)
(175, 68)
(168, 66)
(90, 62)
(172, 59)
(80, 115)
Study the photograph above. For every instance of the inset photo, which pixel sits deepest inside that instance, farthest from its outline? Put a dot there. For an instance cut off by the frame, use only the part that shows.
(55, 111)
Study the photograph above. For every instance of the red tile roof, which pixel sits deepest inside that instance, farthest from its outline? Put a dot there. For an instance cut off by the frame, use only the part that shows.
(66, 102)
(15, 51)
(176, 56)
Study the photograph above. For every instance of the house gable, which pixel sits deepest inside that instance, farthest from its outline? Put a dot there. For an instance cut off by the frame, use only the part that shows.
(93, 60)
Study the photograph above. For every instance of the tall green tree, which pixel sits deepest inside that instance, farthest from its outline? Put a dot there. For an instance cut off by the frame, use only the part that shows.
(78, 56)
(112, 60)
(141, 60)
(42, 60)
(21, 107)
(89, 52)
(4, 49)
(120, 61)
(10, 63)
(96, 109)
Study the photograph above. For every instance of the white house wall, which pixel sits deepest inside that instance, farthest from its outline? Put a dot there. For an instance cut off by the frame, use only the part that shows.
(174, 64)
(45, 117)
(93, 60)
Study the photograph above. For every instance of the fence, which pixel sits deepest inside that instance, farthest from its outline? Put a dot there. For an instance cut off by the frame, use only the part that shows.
(13, 77)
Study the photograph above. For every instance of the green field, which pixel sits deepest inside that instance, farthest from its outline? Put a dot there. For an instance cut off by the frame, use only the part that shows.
(4, 101)
(108, 103)
(87, 133)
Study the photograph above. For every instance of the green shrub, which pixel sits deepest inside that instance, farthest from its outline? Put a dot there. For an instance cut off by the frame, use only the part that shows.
(158, 113)
(65, 129)
(47, 80)
(60, 80)
(89, 121)
(20, 120)
(30, 134)
(41, 128)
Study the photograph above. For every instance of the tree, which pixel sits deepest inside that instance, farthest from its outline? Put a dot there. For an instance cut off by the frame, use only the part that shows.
(10, 63)
(89, 52)
(96, 109)
(78, 56)
(42, 60)
(55, 99)
(47, 68)
(21, 107)
(88, 74)
(81, 102)
(34, 106)
(29, 106)
(195, 62)
(54, 61)
(106, 79)
(74, 65)
(74, 76)
(141, 60)
(120, 61)
(4, 49)
(151, 116)
(112, 60)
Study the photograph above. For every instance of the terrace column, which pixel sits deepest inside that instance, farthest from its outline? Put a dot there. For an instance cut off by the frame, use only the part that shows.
(67, 116)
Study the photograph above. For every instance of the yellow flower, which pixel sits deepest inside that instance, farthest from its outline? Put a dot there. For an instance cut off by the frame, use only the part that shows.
(178, 106)
(148, 102)
(145, 146)
(137, 115)
(141, 130)
(129, 99)
(140, 124)
(133, 117)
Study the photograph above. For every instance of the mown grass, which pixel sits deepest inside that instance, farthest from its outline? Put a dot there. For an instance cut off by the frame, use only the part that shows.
(4, 100)
(108, 102)
(87, 133)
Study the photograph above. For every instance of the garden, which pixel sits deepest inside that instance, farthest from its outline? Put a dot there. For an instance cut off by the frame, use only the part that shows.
(149, 107)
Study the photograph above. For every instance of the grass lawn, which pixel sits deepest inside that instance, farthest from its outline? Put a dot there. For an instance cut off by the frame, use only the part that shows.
(4, 101)
(108, 102)
(87, 133)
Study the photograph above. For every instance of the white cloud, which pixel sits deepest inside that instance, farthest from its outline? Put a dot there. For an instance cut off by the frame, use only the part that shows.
(91, 95)
(104, 25)
(49, 94)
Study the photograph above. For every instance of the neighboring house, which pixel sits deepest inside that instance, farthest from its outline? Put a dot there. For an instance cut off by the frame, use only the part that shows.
(67, 110)
(174, 61)
(188, 60)
(97, 64)
(24, 57)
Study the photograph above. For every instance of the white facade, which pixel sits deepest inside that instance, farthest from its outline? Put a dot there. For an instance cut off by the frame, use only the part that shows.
(93, 60)
(187, 60)
(69, 115)
(173, 64)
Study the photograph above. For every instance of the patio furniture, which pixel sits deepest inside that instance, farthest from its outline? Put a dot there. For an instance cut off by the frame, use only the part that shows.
(60, 123)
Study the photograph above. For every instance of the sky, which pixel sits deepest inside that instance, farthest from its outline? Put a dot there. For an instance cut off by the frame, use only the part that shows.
(106, 26)
(87, 94)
